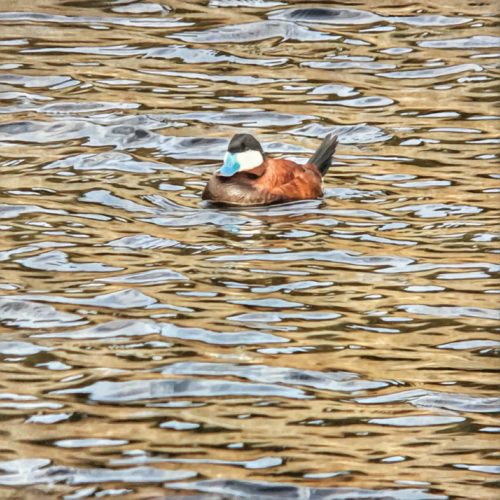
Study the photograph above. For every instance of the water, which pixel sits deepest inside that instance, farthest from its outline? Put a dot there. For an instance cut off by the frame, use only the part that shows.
(153, 346)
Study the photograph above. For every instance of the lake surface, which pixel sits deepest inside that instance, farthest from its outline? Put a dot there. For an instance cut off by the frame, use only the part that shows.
(152, 346)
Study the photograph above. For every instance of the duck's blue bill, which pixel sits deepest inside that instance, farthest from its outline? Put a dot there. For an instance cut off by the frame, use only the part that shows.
(230, 167)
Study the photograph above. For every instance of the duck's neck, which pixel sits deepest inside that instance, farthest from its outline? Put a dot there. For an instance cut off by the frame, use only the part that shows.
(257, 171)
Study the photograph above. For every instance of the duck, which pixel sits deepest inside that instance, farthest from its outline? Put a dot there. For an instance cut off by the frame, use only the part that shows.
(249, 177)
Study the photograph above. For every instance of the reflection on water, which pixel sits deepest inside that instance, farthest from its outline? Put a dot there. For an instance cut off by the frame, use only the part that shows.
(152, 345)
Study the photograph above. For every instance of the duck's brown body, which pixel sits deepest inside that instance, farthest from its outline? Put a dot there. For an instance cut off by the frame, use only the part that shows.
(272, 181)
(275, 181)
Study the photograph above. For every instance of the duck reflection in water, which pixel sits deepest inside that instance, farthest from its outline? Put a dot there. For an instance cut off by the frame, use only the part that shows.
(250, 177)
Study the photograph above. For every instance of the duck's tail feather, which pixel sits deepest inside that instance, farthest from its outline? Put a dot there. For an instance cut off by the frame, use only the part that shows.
(322, 158)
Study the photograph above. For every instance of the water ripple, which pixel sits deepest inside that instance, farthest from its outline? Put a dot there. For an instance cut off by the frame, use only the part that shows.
(111, 329)
(16, 311)
(337, 256)
(416, 421)
(59, 261)
(452, 311)
(474, 42)
(238, 79)
(441, 400)
(270, 490)
(220, 338)
(140, 22)
(432, 72)
(253, 32)
(353, 17)
(28, 471)
(16, 348)
(153, 277)
(152, 389)
(330, 381)
(121, 299)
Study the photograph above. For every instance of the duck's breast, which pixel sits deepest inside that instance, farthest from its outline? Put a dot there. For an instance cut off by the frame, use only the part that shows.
(235, 190)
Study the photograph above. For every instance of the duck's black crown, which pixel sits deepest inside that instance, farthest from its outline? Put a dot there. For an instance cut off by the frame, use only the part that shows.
(244, 142)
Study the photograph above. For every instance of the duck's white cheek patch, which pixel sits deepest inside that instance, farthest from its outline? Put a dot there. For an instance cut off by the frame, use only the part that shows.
(249, 159)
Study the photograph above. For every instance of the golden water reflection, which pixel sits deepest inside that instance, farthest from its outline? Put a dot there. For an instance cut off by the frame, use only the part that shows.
(153, 346)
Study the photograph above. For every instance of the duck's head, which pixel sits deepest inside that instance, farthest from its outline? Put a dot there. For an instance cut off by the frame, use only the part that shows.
(243, 153)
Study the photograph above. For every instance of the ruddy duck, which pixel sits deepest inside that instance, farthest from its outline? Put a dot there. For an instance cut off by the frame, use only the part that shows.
(250, 177)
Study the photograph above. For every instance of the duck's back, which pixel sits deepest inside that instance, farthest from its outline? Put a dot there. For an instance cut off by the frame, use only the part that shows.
(290, 181)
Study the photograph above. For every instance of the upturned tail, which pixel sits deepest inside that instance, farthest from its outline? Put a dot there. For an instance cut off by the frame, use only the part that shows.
(322, 159)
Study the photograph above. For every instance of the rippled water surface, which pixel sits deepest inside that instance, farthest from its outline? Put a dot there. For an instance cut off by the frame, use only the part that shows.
(153, 346)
